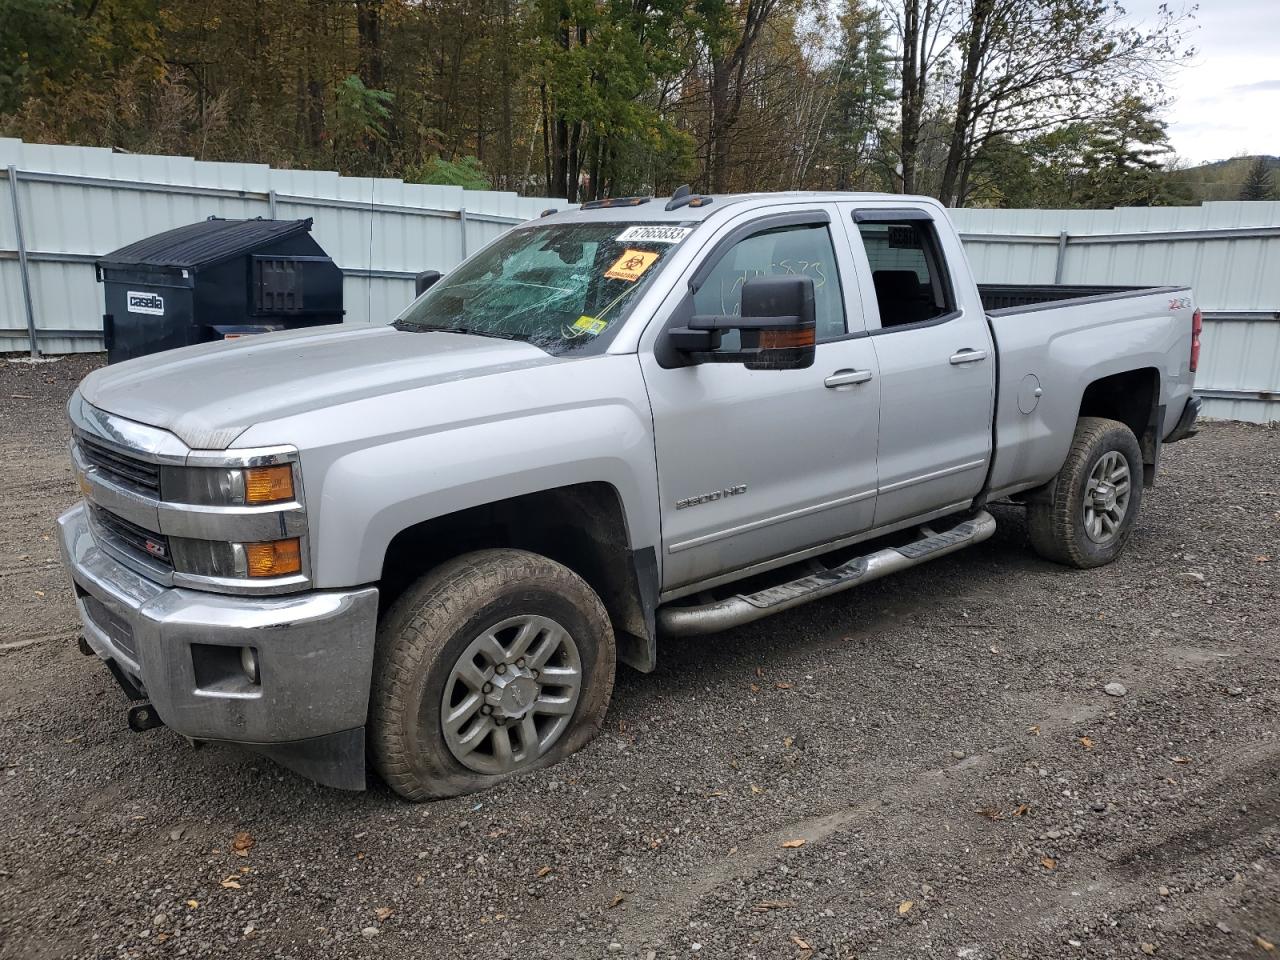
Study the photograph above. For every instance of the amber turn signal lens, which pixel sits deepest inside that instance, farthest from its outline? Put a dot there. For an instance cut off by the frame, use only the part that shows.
(278, 558)
(785, 339)
(268, 484)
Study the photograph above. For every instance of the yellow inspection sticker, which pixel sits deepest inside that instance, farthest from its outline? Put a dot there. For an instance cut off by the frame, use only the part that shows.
(590, 325)
(631, 265)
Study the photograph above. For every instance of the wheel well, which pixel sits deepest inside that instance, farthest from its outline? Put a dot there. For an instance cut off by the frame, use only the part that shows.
(581, 526)
(1132, 398)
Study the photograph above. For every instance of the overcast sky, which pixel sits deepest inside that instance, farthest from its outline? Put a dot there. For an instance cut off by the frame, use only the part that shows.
(1227, 102)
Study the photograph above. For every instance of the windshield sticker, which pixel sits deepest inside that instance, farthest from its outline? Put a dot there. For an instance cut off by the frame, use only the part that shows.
(631, 265)
(652, 234)
(591, 325)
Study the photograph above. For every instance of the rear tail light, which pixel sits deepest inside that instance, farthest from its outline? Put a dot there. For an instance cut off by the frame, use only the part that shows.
(1197, 325)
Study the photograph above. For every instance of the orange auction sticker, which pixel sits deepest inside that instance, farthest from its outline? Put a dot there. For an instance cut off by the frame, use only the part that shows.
(631, 265)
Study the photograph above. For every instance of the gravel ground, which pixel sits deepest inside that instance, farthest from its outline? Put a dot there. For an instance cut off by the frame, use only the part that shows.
(926, 767)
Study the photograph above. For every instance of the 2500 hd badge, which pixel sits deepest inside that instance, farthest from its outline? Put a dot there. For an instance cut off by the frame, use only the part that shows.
(709, 497)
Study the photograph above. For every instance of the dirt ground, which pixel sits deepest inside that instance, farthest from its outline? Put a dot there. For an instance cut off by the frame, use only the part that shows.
(925, 767)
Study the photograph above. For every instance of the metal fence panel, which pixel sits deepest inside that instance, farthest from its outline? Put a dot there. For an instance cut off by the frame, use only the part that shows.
(77, 203)
(1229, 252)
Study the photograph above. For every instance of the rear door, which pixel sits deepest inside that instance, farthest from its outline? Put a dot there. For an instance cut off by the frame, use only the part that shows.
(757, 464)
(936, 362)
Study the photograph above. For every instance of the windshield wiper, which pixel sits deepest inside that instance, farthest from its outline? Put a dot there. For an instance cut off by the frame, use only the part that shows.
(470, 331)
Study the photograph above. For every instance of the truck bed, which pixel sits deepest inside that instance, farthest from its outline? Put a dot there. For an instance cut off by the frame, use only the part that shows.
(1007, 298)
(1053, 339)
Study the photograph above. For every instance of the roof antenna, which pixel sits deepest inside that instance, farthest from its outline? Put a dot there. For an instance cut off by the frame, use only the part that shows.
(679, 198)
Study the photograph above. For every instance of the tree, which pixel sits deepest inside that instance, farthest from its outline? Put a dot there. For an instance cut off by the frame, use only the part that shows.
(859, 74)
(1258, 184)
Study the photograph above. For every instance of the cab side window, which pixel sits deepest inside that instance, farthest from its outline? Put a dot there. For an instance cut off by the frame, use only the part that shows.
(910, 281)
(803, 250)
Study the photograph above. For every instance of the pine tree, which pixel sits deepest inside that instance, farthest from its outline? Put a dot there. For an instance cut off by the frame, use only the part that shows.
(1258, 184)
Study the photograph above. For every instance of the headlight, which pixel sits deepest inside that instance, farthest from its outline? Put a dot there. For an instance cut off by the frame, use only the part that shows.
(212, 558)
(228, 486)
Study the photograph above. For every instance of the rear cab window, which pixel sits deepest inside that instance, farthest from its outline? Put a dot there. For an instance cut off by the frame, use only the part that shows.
(910, 278)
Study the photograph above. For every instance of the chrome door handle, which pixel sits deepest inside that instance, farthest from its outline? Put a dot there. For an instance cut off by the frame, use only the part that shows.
(845, 378)
(967, 356)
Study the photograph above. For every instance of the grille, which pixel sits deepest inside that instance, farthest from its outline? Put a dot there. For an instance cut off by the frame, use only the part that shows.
(121, 467)
(135, 539)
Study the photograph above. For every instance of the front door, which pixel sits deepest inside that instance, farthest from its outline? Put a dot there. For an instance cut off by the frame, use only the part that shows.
(757, 464)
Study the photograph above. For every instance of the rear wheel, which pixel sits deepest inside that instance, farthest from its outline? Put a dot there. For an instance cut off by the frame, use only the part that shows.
(496, 663)
(1085, 516)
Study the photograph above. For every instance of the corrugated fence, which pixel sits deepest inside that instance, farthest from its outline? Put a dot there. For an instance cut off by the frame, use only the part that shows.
(74, 204)
(1228, 251)
(61, 207)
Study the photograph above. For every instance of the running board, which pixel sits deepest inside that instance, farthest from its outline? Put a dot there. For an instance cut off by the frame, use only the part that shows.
(688, 621)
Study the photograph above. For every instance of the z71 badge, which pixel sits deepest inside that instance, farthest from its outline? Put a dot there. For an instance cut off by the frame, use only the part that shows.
(711, 497)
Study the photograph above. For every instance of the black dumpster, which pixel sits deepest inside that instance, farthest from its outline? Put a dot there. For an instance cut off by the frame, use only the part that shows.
(214, 280)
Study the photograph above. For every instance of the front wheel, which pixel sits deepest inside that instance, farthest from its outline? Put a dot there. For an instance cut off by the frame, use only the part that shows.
(1085, 516)
(495, 663)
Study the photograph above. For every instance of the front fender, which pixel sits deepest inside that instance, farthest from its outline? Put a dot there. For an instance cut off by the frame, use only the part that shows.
(372, 494)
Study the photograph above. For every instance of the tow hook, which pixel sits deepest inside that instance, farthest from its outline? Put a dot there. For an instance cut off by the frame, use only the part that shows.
(144, 717)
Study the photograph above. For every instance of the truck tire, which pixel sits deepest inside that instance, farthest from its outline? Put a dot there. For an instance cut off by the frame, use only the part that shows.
(1083, 518)
(495, 663)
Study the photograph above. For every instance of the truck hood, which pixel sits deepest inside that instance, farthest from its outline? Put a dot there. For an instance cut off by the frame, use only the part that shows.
(210, 394)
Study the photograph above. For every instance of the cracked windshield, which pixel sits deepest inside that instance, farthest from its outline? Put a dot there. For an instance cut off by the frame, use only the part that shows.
(558, 286)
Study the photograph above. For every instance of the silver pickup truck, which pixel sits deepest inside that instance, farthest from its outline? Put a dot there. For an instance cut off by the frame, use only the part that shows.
(425, 545)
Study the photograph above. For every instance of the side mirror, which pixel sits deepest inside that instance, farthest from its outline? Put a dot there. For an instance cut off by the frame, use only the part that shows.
(778, 327)
(425, 281)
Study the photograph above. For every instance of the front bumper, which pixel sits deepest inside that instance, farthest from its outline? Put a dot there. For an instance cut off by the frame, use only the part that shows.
(181, 649)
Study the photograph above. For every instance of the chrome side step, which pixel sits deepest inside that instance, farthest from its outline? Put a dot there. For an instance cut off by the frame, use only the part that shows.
(688, 621)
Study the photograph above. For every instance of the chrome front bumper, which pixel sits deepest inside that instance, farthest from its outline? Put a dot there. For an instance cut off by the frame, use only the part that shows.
(180, 648)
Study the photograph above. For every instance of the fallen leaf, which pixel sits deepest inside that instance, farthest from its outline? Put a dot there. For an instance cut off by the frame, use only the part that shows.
(1262, 558)
(755, 688)
(782, 685)
(905, 907)
(1034, 731)
(544, 871)
(1148, 948)
(1181, 759)
(617, 899)
(1021, 809)
(800, 942)
(382, 913)
(360, 855)
(231, 883)
(1086, 743)
(991, 813)
(766, 905)
(161, 938)
(755, 789)
(1048, 863)
(1266, 945)
(759, 672)
(193, 904)
(716, 793)
(241, 844)
(788, 741)
(792, 844)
